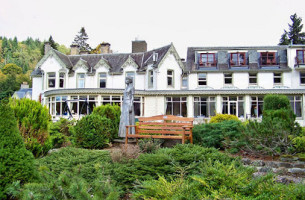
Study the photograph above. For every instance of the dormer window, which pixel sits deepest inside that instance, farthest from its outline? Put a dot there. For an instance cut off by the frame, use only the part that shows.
(81, 80)
(267, 58)
(61, 80)
(51, 80)
(238, 59)
(207, 59)
(150, 78)
(102, 80)
(300, 57)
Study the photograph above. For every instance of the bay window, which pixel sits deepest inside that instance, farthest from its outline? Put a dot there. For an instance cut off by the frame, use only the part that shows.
(204, 106)
(176, 106)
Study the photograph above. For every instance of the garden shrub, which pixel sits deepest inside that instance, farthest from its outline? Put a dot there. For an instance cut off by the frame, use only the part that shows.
(33, 121)
(167, 162)
(299, 143)
(112, 112)
(60, 132)
(276, 102)
(217, 135)
(93, 132)
(149, 145)
(16, 163)
(223, 117)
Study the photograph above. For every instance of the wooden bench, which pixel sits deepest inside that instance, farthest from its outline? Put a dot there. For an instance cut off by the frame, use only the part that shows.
(162, 127)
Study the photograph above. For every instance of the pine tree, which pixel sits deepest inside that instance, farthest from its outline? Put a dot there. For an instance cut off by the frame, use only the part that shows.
(16, 163)
(52, 43)
(81, 39)
(295, 34)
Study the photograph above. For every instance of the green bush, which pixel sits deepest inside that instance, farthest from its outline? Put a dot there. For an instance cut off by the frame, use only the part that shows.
(112, 112)
(218, 135)
(150, 145)
(275, 102)
(93, 132)
(223, 117)
(218, 181)
(167, 162)
(60, 132)
(299, 143)
(16, 163)
(71, 173)
(33, 121)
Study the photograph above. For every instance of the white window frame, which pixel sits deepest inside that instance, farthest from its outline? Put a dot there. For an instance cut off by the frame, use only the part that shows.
(256, 101)
(102, 78)
(294, 99)
(150, 78)
(182, 100)
(51, 78)
(170, 76)
(231, 100)
(209, 101)
(184, 79)
(202, 78)
(227, 78)
(253, 76)
(78, 79)
(277, 75)
(62, 77)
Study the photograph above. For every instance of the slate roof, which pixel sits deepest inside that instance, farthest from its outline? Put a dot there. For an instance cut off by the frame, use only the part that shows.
(191, 51)
(22, 92)
(115, 60)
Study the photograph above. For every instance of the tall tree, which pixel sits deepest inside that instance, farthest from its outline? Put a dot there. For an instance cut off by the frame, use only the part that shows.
(295, 34)
(80, 39)
(52, 42)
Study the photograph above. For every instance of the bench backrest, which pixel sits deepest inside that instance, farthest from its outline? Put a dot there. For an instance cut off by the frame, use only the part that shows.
(164, 124)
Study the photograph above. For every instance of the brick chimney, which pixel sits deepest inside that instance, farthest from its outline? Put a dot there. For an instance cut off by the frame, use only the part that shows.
(47, 47)
(74, 49)
(105, 47)
(139, 46)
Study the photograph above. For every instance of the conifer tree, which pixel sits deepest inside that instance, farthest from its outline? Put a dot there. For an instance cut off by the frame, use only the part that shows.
(80, 39)
(16, 163)
(295, 34)
(52, 43)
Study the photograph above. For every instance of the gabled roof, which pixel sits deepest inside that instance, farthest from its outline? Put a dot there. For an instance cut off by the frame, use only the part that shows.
(115, 60)
(22, 92)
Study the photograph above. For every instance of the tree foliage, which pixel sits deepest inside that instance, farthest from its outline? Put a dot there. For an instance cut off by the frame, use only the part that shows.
(295, 34)
(11, 69)
(81, 40)
(16, 163)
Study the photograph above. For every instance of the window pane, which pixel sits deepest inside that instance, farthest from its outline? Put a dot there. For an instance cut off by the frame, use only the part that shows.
(169, 107)
(196, 109)
(298, 109)
(176, 108)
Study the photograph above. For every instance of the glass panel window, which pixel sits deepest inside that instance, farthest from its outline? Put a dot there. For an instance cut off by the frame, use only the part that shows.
(184, 82)
(204, 106)
(252, 78)
(207, 59)
(277, 78)
(170, 78)
(233, 105)
(176, 106)
(80, 80)
(62, 80)
(228, 78)
(302, 77)
(74, 105)
(300, 56)
(267, 58)
(296, 105)
(102, 80)
(202, 79)
(138, 106)
(257, 106)
(132, 75)
(51, 80)
(150, 78)
(238, 59)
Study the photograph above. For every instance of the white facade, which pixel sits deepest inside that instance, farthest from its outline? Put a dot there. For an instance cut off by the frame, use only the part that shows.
(161, 89)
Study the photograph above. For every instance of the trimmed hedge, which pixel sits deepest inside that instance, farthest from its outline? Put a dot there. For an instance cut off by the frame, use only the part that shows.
(223, 117)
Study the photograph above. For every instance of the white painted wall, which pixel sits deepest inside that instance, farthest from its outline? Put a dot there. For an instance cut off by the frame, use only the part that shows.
(36, 87)
(169, 63)
(215, 80)
(154, 105)
(240, 80)
(265, 80)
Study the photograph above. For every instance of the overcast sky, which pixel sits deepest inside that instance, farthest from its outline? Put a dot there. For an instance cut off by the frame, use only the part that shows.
(185, 23)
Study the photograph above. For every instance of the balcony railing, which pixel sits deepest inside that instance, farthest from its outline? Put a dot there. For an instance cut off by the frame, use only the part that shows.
(234, 63)
(207, 64)
(299, 61)
(267, 61)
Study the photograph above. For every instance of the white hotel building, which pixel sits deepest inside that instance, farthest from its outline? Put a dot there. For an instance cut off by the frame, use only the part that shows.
(213, 80)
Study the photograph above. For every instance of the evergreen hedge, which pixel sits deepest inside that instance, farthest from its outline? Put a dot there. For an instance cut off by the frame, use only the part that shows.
(275, 102)
(16, 163)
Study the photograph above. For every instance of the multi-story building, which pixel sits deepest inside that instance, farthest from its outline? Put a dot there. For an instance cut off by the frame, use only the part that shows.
(213, 80)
